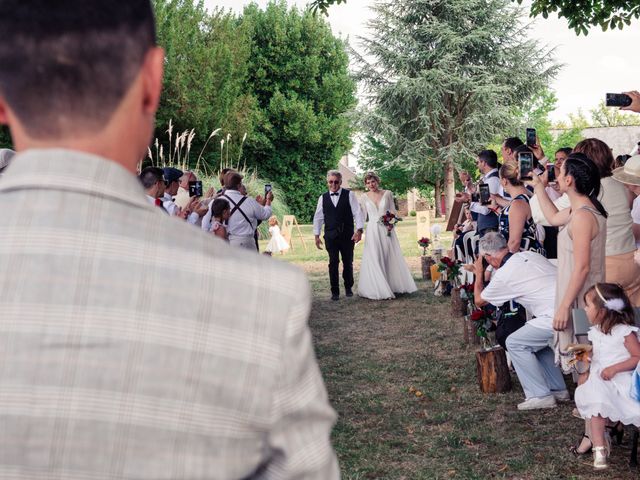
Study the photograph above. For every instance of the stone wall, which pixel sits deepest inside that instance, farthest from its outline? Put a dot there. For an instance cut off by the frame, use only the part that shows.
(620, 139)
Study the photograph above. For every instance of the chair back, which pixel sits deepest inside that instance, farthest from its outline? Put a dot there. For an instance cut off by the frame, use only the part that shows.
(581, 323)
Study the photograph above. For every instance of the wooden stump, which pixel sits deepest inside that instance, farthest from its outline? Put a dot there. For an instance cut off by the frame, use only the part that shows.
(493, 371)
(470, 335)
(426, 266)
(458, 306)
(465, 330)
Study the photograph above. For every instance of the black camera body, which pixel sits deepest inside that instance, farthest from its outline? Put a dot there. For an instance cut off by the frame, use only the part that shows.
(617, 100)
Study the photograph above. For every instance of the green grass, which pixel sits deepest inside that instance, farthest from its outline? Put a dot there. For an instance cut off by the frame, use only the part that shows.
(371, 353)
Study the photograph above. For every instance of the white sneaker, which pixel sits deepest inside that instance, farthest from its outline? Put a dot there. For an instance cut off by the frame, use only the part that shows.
(535, 403)
(561, 395)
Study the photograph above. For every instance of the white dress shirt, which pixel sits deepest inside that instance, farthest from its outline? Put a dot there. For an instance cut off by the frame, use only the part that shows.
(237, 224)
(318, 217)
(529, 279)
(494, 188)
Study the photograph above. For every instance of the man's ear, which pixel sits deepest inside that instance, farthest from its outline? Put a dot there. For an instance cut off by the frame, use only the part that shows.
(152, 72)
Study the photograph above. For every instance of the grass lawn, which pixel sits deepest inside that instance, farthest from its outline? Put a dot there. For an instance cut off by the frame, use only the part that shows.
(372, 353)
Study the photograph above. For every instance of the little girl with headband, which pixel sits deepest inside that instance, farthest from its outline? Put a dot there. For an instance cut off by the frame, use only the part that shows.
(616, 353)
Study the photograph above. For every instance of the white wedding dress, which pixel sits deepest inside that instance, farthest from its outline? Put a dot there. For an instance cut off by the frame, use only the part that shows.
(383, 270)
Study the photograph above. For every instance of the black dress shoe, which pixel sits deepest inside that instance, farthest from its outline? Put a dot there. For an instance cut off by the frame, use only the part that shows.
(335, 296)
(349, 293)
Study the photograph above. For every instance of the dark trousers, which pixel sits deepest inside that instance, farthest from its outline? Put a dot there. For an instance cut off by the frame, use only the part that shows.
(340, 247)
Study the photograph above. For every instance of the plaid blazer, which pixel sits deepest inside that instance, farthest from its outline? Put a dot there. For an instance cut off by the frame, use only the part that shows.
(133, 345)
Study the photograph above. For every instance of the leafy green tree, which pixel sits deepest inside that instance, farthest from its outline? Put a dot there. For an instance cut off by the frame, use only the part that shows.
(586, 13)
(580, 14)
(206, 71)
(445, 77)
(603, 116)
(298, 73)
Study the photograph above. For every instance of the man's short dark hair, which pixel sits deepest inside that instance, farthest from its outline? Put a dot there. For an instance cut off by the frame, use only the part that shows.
(566, 150)
(512, 143)
(233, 180)
(489, 157)
(66, 63)
(150, 176)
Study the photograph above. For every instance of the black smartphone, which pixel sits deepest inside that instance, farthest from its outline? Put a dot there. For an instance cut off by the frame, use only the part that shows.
(195, 188)
(485, 194)
(267, 188)
(617, 100)
(525, 165)
(531, 137)
(551, 172)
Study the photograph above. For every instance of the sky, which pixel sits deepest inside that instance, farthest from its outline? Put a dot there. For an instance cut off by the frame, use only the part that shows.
(596, 64)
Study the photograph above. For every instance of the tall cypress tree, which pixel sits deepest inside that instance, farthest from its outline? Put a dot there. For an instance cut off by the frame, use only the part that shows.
(444, 77)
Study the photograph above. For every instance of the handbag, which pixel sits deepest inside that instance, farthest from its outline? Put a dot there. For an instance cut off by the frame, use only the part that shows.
(510, 316)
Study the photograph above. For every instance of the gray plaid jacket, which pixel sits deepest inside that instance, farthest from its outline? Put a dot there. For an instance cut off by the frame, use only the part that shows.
(133, 345)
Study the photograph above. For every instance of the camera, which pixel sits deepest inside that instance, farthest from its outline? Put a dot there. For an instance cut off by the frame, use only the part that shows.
(483, 196)
(551, 172)
(267, 188)
(617, 100)
(525, 165)
(531, 137)
(195, 188)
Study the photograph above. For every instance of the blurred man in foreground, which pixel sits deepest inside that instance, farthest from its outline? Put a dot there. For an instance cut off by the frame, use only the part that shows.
(109, 370)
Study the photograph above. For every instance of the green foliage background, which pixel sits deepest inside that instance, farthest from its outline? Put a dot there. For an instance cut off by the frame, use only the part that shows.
(277, 75)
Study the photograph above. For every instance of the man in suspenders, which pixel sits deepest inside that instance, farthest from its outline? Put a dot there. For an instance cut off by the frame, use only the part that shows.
(245, 213)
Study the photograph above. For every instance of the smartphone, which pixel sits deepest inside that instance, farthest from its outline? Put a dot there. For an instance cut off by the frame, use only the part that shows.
(485, 194)
(195, 188)
(551, 172)
(617, 100)
(531, 137)
(525, 165)
(267, 188)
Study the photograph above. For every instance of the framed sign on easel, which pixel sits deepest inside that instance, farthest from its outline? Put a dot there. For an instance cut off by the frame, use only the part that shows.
(288, 223)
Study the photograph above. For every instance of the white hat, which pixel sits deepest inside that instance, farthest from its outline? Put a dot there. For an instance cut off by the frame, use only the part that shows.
(630, 173)
(6, 154)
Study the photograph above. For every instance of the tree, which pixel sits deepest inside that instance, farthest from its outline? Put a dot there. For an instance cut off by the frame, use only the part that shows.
(603, 116)
(298, 73)
(445, 77)
(580, 14)
(586, 13)
(206, 70)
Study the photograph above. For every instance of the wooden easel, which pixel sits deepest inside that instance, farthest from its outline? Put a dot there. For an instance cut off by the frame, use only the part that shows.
(288, 222)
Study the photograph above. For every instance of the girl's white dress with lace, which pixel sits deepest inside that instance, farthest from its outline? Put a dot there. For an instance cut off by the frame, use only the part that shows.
(383, 269)
(608, 398)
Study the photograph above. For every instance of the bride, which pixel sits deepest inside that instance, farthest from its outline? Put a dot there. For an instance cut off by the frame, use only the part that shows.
(383, 270)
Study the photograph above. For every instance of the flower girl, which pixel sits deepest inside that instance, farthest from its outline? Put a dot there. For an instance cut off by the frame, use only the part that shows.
(277, 243)
(616, 352)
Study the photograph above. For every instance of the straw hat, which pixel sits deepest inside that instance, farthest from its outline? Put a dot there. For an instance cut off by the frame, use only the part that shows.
(630, 173)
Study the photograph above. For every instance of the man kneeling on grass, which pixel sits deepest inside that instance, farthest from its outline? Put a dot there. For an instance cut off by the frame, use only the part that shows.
(529, 279)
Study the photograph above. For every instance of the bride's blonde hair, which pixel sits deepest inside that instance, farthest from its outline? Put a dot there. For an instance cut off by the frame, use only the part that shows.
(371, 175)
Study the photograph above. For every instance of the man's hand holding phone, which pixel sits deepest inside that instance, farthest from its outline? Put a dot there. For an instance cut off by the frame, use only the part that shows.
(635, 101)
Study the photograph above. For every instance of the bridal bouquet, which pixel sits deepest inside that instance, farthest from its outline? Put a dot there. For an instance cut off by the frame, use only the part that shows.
(424, 242)
(389, 220)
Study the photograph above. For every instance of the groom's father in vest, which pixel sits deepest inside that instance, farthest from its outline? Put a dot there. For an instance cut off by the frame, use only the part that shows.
(338, 209)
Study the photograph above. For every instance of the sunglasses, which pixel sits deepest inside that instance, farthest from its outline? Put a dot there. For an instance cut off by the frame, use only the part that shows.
(333, 182)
